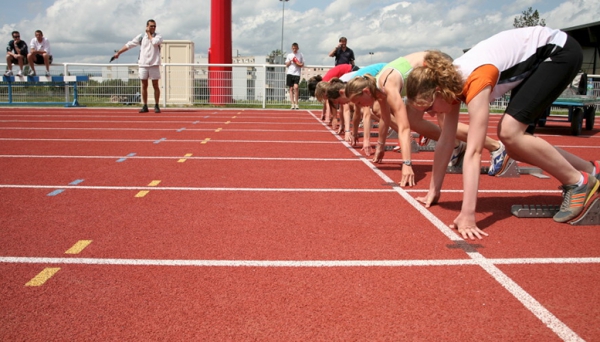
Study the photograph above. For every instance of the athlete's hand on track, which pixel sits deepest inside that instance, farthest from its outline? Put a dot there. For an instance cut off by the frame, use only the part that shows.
(408, 176)
(430, 199)
(379, 153)
(350, 139)
(367, 149)
(467, 227)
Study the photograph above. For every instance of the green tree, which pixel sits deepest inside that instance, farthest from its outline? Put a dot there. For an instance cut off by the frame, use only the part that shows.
(529, 18)
(303, 90)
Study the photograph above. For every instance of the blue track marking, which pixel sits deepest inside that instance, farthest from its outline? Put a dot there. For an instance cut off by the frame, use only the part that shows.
(55, 192)
(58, 191)
(125, 158)
(181, 129)
(158, 141)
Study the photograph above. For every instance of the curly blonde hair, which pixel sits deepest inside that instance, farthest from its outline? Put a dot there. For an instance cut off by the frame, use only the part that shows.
(358, 84)
(437, 74)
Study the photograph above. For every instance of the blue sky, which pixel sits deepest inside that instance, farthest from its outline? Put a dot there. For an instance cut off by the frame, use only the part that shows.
(88, 31)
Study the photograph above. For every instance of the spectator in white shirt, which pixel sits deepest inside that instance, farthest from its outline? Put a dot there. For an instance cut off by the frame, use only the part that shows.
(39, 53)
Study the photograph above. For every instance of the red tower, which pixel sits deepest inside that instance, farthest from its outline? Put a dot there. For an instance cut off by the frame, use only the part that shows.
(219, 78)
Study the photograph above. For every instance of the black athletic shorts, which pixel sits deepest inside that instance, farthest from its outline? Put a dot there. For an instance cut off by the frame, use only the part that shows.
(290, 80)
(535, 94)
(39, 59)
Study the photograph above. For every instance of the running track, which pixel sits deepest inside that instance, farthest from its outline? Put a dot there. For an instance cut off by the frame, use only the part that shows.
(244, 225)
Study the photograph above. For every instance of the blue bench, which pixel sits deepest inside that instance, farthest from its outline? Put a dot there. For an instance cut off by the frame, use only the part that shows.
(40, 80)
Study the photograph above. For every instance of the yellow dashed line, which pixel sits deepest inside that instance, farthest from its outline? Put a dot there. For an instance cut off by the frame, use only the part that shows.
(142, 193)
(78, 247)
(43, 276)
(219, 130)
(182, 160)
(205, 141)
(145, 192)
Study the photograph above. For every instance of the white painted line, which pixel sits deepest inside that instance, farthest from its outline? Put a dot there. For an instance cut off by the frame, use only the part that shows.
(178, 157)
(291, 263)
(160, 122)
(175, 188)
(320, 131)
(178, 141)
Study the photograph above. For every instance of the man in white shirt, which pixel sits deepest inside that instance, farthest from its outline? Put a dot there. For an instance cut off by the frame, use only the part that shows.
(294, 62)
(148, 62)
(39, 53)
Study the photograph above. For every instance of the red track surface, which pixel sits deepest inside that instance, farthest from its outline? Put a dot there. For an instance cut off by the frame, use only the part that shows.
(263, 225)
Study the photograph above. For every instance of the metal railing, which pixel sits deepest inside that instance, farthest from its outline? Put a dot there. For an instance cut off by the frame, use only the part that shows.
(240, 85)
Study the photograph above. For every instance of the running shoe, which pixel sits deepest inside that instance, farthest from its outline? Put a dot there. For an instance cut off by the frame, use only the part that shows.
(47, 73)
(144, 109)
(8, 73)
(20, 73)
(497, 164)
(576, 198)
(31, 73)
(597, 166)
(156, 109)
(423, 140)
(458, 153)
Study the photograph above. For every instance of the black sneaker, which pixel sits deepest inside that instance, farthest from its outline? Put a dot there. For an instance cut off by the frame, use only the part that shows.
(156, 109)
(144, 109)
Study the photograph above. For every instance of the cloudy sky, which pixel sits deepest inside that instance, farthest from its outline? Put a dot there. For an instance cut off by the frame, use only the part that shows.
(89, 31)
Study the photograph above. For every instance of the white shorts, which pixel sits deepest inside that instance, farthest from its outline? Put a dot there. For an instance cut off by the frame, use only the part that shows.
(152, 72)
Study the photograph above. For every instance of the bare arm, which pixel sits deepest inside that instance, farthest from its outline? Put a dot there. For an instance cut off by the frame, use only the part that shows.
(398, 109)
(478, 123)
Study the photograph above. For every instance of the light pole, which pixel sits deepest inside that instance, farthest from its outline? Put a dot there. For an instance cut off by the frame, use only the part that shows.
(282, 20)
(371, 53)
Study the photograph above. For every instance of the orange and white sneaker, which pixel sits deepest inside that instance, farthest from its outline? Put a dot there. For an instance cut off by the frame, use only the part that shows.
(577, 198)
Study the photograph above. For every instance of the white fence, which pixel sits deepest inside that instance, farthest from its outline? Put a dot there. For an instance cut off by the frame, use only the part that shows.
(240, 85)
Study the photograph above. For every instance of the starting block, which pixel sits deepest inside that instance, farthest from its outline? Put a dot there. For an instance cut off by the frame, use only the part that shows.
(591, 217)
(414, 147)
(511, 171)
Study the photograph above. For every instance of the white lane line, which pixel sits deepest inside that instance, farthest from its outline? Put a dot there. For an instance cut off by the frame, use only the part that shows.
(543, 314)
(177, 141)
(160, 129)
(175, 188)
(258, 122)
(178, 157)
(291, 263)
(180, 188)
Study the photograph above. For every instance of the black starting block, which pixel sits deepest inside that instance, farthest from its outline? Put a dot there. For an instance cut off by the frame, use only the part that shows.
(591, 217)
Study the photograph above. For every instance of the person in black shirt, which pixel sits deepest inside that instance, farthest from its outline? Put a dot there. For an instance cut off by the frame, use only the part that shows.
(342, 53)
(16, 53)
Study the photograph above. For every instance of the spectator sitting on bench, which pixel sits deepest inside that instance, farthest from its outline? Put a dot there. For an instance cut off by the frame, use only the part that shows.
(40, 53)
(16, 53)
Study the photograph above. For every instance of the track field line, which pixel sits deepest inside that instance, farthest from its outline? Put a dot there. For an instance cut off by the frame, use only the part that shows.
(543, 314)
(157, 129)
(292, 263)
(185, 188)
(175, 140)
(237, 122)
